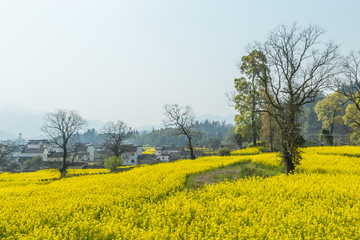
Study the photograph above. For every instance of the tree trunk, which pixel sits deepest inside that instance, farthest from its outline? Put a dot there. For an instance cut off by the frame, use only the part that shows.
(116, 151)
(63, 169)
(290, 144)
(192, 155)
(253, 111)
(254, 132)
(271, 135)
(287, 159)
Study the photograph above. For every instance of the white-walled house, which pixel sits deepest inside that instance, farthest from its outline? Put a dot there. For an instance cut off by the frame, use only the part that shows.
(90, 153)
(80, 153)
(167, 154)
(131, 154)
(29, 153)
(38, 144)
(161, 151)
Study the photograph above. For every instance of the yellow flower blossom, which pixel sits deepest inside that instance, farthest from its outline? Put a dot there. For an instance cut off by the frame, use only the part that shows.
(320, 201)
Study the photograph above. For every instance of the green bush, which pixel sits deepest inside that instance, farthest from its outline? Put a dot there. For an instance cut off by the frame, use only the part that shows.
(34, 163)
(113, 162)
(224, 152)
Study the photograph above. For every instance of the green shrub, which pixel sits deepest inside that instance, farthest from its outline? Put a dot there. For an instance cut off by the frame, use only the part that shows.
(224, 152)
(113, 162)
(34, 163)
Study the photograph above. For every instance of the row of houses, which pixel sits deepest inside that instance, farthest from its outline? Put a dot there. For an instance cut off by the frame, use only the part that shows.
(89, 154)
(79, 154)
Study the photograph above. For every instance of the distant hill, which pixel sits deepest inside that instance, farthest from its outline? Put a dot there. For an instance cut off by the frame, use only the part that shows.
(13, 123)
(6, 136)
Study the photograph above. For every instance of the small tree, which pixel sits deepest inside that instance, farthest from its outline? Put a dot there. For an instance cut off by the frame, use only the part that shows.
(238, 139)
(116, 134)
(34, 163)
(60, 126)
(5, 154)
(224, 152)
(326, 137)
(269, 133)
(352, 119)
(113, 163)
(214, 143)
(330, 112)
(232, 137)
(181, 119)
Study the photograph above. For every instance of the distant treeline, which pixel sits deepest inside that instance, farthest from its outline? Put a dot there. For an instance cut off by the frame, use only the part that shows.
(205, 134)
(214, 133)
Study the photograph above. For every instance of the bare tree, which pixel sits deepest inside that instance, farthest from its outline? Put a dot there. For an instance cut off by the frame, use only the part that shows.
(60, 126)
(116, 134)
(5, 154)
(349, 84)
(300, 65)
(182, 120)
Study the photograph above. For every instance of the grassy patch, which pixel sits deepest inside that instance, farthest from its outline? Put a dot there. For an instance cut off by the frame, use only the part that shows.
(232, 172)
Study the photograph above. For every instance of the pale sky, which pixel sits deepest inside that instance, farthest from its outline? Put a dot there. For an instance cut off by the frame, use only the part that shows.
(125, 60)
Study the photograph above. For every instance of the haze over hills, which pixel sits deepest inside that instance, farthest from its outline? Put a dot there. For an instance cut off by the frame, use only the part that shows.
(15, 120)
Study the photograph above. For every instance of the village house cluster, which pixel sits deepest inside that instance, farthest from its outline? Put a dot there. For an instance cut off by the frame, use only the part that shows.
(82, 155)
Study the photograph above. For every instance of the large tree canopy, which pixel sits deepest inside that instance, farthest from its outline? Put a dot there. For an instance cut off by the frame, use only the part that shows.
(299, 65)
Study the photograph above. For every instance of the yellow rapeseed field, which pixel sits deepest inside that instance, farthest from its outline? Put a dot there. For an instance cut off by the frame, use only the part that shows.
(148, 150)
(320, 201)
(247, 151)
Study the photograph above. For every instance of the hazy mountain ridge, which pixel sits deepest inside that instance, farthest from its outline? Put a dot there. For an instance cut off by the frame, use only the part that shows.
(15, 120)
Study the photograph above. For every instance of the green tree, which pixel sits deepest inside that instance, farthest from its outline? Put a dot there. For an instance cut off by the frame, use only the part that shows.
(232, 137)
(330, 112)
(113, 162)
(214, 143)
(247, 98)
(224, 152)
(352, 119)
(269, 133)
(238, 139)
(326, 137)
